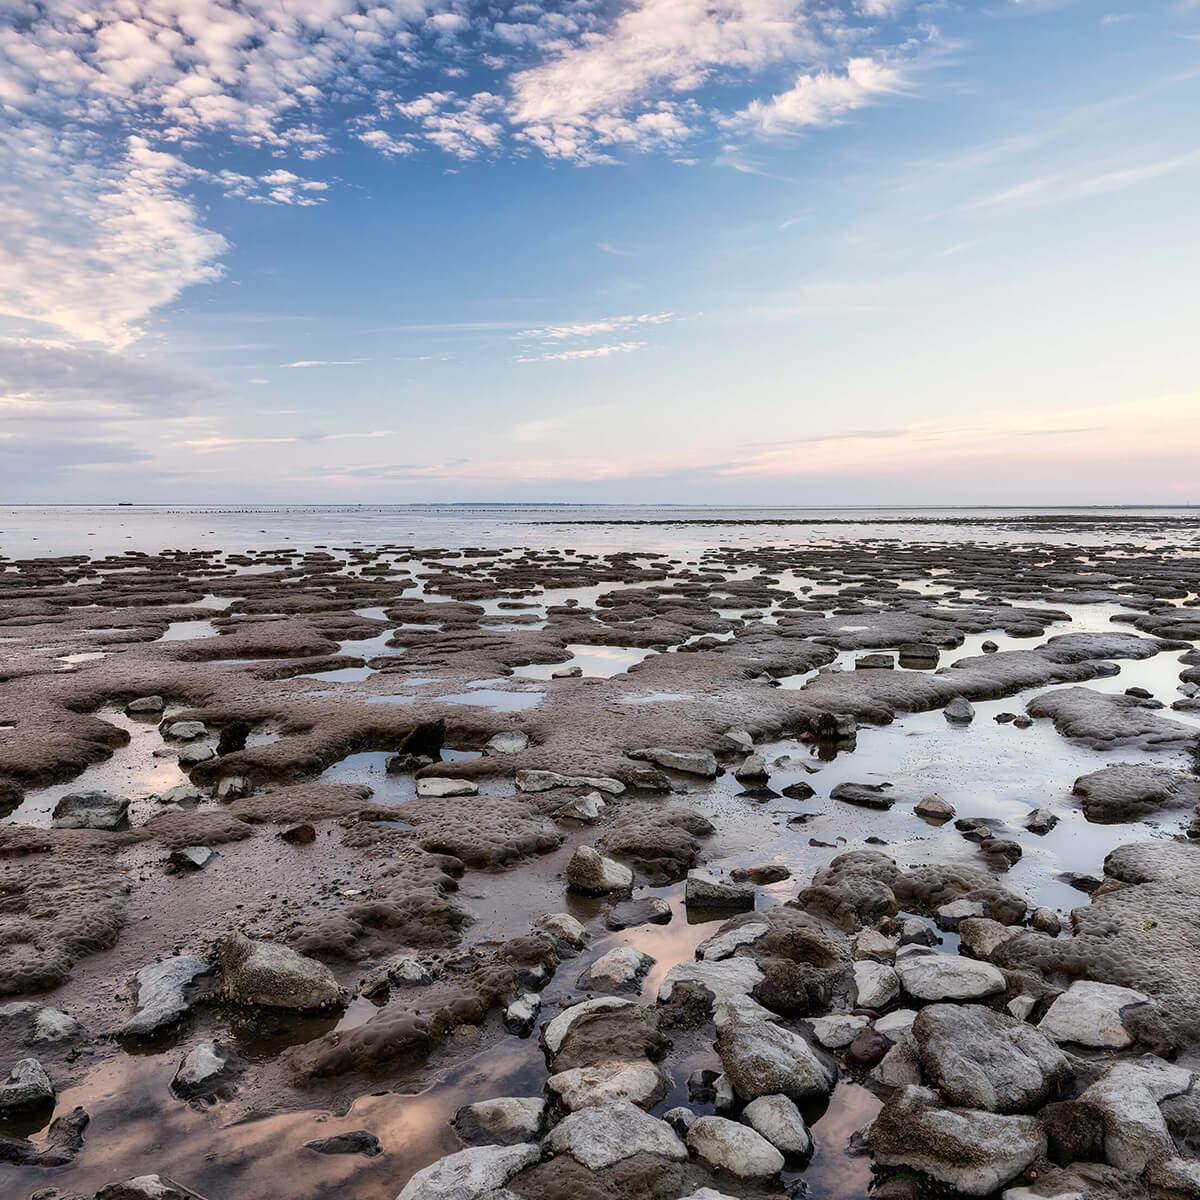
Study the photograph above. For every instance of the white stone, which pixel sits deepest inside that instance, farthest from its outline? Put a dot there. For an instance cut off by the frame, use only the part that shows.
(781, 1123)
(621, 967)
(599, 1137)
(722, 944)
(470, 1174)
(639, 1081)
(162, 993)
(556, 1031)
(837, 1031)
(731, 1147)
(729, 983)
(895, 1023)
(440, 785)
(510, 741)
(877, 984)
(688, 762)
(948, 977)
(1089, 1014)
(870, 943)
(592, 872)
(706, 889)
(544, 781)
(563, 927)
(589, 808)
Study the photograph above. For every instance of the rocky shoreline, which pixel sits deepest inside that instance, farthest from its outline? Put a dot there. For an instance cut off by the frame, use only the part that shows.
(776, 869)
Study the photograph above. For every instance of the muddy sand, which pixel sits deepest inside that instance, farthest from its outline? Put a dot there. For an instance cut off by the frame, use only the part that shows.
(768, 866)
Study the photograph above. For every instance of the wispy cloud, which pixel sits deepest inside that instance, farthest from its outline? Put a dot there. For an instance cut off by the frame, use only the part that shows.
(588, 352)
(584, 329)
(325, 362)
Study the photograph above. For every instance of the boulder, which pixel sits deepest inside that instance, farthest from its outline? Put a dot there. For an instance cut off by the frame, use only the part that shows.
(192, 858)
(621, 969)
(836, 1032)
(91, 810)
(147, 1187)
(145, 706)
(875, 983)
(639, 1082)
(647, 910)
(545, 781)
(960, 711)
(505, 1121)
(778, 1120)
(562, 927)
(934, 808)
(521, 1014)
(762, 1058)
(591, 873)
(589, 809)
(273, 976)
(753, 769)
(725, 1145)
(205, 1068)
(509, 741)
(474, 1174)
(705, 889)
(948, 977)
(687, 762)
(164, 993)
(864, 795)
(27, 1089)
(602, 1136)
(1089, 1014)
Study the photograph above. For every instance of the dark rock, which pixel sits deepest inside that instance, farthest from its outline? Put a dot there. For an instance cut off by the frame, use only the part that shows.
(864, 795)
(233, 738)
(299, 835)
(868, 1047)
(798, 791)
(651, 910)
(1074, 1131)
(356, 1141)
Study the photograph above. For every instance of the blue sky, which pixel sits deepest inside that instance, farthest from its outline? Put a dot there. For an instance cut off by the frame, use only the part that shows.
(772, 251)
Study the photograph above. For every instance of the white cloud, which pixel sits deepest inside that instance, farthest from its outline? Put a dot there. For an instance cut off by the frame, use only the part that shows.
(589, 352)
(585, 329)
(325, 362)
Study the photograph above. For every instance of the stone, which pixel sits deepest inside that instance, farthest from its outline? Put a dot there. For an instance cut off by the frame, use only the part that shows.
(982, 936)
(1002, 853)
(726, 984)
(753, 769)
(1046, 920)
(509, 741)
(1089, 1014)
(27, 1089)
(948, 977)
(680, 1119)
(798, 791)
(505, 1121)
(974, 1152)
(164, 993)
(205, 1068)
(876, 984)
(837, 1031)
(474, 1174)
(647, 910)
(687, 762)
(1074, 1130)
(185, 731)
(949, 915)
(147, 1187)
(273, 976)
(875, 662)
(640, 1082)
(621, 969)
(1021, 1006)
(900, 1066)
(985, 1060)
(764, 873)
(193, 756)
(299, 835)
(354, 1141)
(741, 739)
(545, 781)
(562, 927)
(183, 794)
(960, 711)
(607, 1134)
(706, 889)
(934, 808)
(234, 787)
(567, 672)
(778, 1120)
(870, 943)
(864, 795)
(762, 1058)
(91, 810)
(892, 1025)
(521, 1014)
(145, 706)
(554, 1034)
(440, 785)
(868, 1048)
(589, 809)
(192, 858)
(1041, 821)
(593, 874)
(725, 1145)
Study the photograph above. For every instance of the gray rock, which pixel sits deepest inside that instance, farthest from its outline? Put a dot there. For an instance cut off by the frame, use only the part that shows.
(621, 969)
(864, 795)
(521, 1014)
(934, 808)
(183, 794)
(778, 1120)
(192, 858)
(762, 1058)
(948, 977)
(983, 936)
(440, 785)
(753, 769)
(473, 1174)
(1046, 920)
(1041, 820)
(960, 711)
(725, 1145)
(728, 983)
(164, 993)
(975, 1152)
(599, 1137)
(234, 787)
(354, 1141)
(985, 1060)
(272, 976)
(91, 810)
(562, 927)
(145, 706)
(567, 672)
(27, 1089)
(205, 1068)
(680, 1119)
(836, 1032)
(725, 942)
(639, 1082)
(510, 741)
(949, 915)
(185, 731)
(45, 1024)
(147, 1187)
(193, 756)
(592, 873)
(688, 762)
(870, 943)
(545, 781)
(646, 910)
(589, 809)
(554, 1034)
(741, 739)
(900, 1066)
(876, 984)
(705, 889)
(506, 1121)
(1089, 1014)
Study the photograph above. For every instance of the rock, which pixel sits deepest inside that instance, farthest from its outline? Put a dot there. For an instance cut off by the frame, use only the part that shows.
(185, 731)
(507, 1121)
(900, 1066)
(916, 932)
(778, 1120)
(272, 976)
(589, 809)
(960, 711)
(985, 1060)
(797, 791)
(948, 977)
(27, 1089)
(192, 858)
(725, 1145)
(234, 787)
(164, 993)
(639, 1082)
(145, 706)
(949, 915)
(680, 1119)
(649, 910)
(705, 889)
(521, 1014)
(147, 1187)
(864, 795)
(875, 662)
(183, 794)
(1046, 920)
(299, 835)
(91, 810)
(46, 1024)
(1089, 1014)
(752, 770)
(440, 785)
(982, 935)
(868, 1048)
(355, 1141)
(919, 654)
(599, 1137)
(594, 875)
(837, 1031)
(510, 741)
(1041, 821)
(193, 756)
(988, 647)
(562, 927)
(1021, 721)
(1130, 792)
(975, 1152)
(724, 986)
(545, 781)
(934, 808)
(762, 1059)
(233, 737)
(204, 1069)
(896, 1023)
(474, 1174)
(554, 1034)
(741, 739)
(1074, 1130)
(1002, 853)
(687, 762)
(1021, 1006)
(621, 969)
(876, 984)
(870, 943)
(567, 672)
(763, 874)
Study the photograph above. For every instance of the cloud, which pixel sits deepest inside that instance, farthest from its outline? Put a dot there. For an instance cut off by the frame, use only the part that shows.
(590, 352)
(325, 362)
(553, 333)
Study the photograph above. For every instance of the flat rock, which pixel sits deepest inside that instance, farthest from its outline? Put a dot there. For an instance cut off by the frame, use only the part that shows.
(441, 785)
(739, 1150)
(163, 993)
(147, 1187)
(509, 741)
(505, 1121)
(192, 858)
(864, 795)
(1132, 792)
(589, 809)
(948, 977)
(353, 1141)
(273, 976)
(836, 1032)
(599, 1137)
(473, 1174)
(639, 1081)
(725, 942)
(1089, 1014)
(706, 889)
(545, 781)
(647, 910)
(687, 762)
(205, 1068)
(91, 810)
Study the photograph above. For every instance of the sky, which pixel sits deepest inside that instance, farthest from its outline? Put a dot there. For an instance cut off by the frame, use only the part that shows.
(666, 251)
